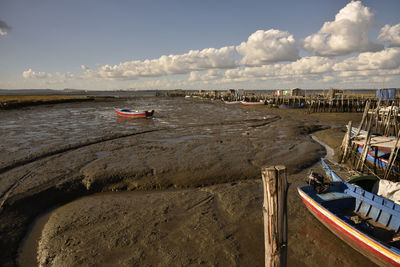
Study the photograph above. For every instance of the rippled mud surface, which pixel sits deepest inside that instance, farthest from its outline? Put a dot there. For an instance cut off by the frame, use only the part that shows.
(192, 176)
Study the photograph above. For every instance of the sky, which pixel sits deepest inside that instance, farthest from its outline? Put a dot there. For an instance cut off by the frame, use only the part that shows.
(191, 44)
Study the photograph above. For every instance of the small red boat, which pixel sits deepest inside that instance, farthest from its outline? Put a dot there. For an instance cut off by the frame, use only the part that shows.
(134, 114)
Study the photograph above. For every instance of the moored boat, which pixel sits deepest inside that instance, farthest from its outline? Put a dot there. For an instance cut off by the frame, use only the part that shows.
(231, 102)
(378, 155)
(291, 106)
(367, 222)
(338, 173)
(261, 102)
(380, 149)
(134, 114)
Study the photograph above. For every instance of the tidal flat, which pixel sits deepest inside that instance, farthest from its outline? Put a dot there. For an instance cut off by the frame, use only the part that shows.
(181, 188)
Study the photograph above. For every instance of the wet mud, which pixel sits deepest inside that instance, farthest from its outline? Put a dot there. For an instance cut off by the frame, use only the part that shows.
(186, 184)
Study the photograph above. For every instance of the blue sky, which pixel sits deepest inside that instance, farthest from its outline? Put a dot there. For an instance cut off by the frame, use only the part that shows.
(199, 44)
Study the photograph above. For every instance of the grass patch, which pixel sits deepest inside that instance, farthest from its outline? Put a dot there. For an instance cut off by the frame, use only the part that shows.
(18, 101)
(37, 98)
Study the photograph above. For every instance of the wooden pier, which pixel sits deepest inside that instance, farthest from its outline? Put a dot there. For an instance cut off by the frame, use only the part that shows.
(314, 103)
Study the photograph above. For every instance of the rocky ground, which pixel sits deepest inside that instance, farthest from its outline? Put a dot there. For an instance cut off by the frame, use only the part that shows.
(183, 196)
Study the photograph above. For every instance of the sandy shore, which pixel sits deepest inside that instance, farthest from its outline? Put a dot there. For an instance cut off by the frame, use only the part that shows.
(193, 195)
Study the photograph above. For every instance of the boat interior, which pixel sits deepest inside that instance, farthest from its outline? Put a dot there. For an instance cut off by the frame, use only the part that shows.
(367, 212)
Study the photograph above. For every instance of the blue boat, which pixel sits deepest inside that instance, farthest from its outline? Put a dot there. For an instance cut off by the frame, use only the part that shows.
(334, 172)
(331, 173)
(376, 155)
(367, 222)
(302, 105)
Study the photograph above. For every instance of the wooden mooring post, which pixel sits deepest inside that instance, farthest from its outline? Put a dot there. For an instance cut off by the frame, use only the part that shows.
(346, 143)
(275, 215)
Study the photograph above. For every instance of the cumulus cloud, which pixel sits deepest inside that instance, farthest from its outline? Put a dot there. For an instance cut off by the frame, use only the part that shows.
(4, 28)
(194, 60)
(309, 65)
(212, 74)
(29, 74)
(264, 47)
(385, 59)
(303, 66)
(390, 34)
(346, 34)
(364, 68)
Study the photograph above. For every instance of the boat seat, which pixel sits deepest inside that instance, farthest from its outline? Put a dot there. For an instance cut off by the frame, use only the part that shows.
(378, 208)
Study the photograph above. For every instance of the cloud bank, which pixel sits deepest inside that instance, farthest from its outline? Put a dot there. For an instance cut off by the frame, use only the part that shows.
(35, 75)
(195, 60)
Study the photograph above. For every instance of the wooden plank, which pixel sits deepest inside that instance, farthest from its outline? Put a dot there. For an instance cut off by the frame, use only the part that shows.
(376, 140)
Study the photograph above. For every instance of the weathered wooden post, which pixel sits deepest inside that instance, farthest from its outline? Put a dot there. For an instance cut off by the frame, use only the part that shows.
(346, 143)
(275, 215)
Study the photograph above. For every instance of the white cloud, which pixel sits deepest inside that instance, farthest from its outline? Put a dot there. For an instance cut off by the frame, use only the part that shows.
(194, 60)
(390, 34)
(2, 33)
(301, 67)
(35, 75)
(346, 34)
(366, 67)
(385, 59)
(309, 65)
(264, 47)
(211, 74)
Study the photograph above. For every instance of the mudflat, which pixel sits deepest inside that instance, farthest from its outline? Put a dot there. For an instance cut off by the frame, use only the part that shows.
(183, 188)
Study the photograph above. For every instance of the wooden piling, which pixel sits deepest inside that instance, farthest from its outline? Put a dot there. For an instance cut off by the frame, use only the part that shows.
(364, 154)
(275, 215)
(364, 117)
(346, 144)
(393, 156)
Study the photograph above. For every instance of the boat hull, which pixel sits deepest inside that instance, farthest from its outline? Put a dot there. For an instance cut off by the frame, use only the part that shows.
(290, 107)
(367, 246)
(380, 162)
(383, 152)
(134, 114)
(331, 174)
(252, 103)
(231, 102)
